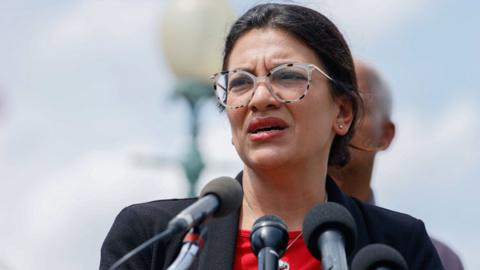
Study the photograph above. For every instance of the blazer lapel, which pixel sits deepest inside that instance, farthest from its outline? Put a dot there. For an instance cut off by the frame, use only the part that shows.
(219, 249)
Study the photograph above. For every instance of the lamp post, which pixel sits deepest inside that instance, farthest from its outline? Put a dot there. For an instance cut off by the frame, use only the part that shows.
(192, 37)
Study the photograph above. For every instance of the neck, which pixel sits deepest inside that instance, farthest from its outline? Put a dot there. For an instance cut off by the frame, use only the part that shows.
(289, 195)
(354, 180)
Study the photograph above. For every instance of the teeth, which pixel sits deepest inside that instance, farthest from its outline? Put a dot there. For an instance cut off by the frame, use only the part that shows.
(267, 129)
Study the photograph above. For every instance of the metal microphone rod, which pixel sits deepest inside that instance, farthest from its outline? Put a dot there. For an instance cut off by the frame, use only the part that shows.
(329, 242)
(269, 262)
(192, 246)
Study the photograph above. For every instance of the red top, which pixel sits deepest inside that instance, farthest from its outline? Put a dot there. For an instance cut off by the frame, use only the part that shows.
(297, 255)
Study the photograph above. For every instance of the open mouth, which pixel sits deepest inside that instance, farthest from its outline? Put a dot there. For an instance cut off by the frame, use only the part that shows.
(266, 129)
(266, 124)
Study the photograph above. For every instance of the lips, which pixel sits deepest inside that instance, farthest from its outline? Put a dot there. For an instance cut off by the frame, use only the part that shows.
(266, 128)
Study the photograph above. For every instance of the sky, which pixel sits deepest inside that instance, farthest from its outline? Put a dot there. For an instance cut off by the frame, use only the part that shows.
(88, 124)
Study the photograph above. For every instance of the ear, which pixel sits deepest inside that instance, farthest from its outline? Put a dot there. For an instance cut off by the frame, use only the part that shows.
(344, 117)
(388, 135)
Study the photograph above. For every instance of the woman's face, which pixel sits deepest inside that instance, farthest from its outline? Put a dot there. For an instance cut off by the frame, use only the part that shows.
(303, 131)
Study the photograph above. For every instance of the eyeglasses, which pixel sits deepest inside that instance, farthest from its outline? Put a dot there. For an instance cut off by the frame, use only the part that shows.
(287, 83)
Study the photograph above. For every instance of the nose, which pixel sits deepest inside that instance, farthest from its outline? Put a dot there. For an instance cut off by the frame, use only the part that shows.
(263, 98)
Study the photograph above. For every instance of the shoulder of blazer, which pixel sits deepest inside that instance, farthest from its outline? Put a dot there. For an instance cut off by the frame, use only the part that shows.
(167, 206)
(386, 223)
(156, 214)
(136, 224)
(403, 232)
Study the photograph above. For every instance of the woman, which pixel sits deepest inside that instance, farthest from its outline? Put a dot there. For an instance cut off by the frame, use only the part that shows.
(289, 91)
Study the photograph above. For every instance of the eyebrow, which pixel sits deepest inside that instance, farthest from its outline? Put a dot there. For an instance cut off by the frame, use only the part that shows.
(247, 69)
(276, 63)
(273, 64)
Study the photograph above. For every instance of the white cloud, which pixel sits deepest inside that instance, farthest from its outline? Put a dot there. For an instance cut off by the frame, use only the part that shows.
(368, 19)
(69, 214)
(431, 172)
(93, 21)
(89, 69)
(439, 145)
(216, 147)
(363, 22)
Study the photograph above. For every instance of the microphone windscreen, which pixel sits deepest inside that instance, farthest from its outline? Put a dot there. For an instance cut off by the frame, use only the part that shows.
(269, 231)
(378, 255)
(229, 193)
(327, 216)
(269, 220)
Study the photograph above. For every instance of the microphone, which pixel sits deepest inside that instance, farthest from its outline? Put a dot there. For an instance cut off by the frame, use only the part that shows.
(269, 239)
(218, 198)
(330, 232)
(378, 257)
(192, 245)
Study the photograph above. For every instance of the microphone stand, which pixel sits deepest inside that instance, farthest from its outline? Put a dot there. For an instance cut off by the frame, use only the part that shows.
(329, 242)
(192, 246)
(268, 259)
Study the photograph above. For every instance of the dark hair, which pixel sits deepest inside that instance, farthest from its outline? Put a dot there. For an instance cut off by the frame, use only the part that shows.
(322, 36)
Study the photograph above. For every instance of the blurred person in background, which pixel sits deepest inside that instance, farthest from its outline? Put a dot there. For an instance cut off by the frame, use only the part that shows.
(374, 132)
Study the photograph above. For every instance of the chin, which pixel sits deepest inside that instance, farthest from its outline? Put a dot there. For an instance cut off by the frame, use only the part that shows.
(267, 159)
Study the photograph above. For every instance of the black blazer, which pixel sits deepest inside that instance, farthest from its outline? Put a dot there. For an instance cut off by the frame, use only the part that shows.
(137, 223)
